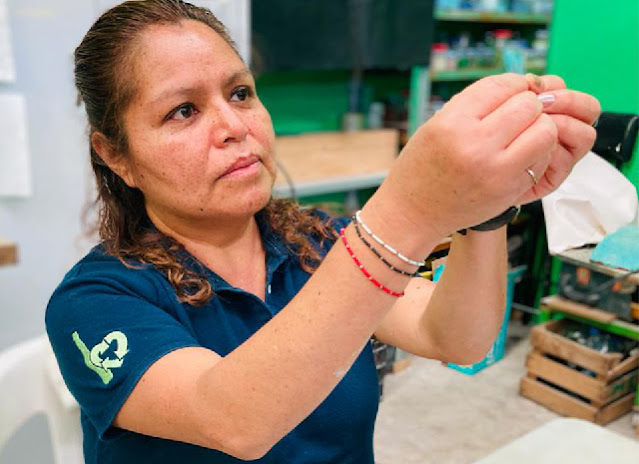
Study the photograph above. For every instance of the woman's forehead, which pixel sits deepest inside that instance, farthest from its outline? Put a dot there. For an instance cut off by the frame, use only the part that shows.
(183, 54)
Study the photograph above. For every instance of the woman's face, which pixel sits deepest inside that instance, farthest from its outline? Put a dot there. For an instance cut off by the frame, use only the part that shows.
(200, 141)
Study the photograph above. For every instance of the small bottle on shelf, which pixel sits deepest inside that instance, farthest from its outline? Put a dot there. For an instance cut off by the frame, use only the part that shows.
(438, 57)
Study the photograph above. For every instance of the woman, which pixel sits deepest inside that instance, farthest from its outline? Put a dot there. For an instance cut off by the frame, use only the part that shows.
(215, 324)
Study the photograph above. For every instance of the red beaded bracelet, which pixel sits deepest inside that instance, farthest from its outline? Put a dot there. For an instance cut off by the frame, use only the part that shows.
(363, 269)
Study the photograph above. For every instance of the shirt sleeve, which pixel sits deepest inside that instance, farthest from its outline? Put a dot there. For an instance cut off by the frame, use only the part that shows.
(106, 329)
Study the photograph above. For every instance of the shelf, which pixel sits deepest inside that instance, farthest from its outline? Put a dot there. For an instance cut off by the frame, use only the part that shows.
(491, 17)
(472, 74)
(592, 316)
(617, 327)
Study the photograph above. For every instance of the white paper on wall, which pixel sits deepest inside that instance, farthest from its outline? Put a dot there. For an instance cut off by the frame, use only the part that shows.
(234, 14)
(7, 65)
(15, 167)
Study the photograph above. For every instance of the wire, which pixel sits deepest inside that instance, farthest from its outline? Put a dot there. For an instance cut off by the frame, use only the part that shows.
(289, 180)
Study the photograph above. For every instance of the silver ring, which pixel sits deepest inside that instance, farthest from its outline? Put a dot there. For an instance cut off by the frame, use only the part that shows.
(532, 174)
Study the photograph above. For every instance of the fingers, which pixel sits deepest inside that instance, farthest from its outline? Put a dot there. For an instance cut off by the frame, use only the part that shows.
(532, 149)
(570, 102)
(547, 83)
(512, 118)
(484, 96)
(560, 166)
(575, 139)
(575, 136)
(579, 105)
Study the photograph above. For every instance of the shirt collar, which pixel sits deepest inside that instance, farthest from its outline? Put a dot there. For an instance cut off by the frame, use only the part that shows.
(276, 253)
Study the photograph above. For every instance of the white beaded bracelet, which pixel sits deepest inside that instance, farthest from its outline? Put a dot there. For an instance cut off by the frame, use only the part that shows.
(358, 217)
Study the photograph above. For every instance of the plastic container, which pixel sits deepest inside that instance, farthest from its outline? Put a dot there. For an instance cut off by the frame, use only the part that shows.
(497, 350)
(438, 57)
(448, 4)
(502, 36)
(498, 6)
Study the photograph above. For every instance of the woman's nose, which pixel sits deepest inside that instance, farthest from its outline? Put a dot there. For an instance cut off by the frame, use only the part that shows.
(228, 126)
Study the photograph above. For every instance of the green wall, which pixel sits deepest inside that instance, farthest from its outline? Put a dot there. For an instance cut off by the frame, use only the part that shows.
(594, 46)
(311, 101)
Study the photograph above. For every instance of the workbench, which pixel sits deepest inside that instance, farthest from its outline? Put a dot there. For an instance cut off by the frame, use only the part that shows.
(327, 162)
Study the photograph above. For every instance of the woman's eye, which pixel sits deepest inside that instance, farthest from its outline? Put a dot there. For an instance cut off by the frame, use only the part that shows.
(241, 93)
(182, 112)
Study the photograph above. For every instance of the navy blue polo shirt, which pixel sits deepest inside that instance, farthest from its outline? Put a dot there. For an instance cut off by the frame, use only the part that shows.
(108, 323)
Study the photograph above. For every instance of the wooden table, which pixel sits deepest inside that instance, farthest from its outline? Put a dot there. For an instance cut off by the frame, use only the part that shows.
(8, 252)
(327, 162)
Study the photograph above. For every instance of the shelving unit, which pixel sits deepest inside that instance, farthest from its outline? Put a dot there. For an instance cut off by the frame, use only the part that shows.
(471, 74)
(556, 307)
(491, 17)
(422, 79)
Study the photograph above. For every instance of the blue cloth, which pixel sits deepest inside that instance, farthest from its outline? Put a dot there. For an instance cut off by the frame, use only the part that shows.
(109, 323)
(619, 249)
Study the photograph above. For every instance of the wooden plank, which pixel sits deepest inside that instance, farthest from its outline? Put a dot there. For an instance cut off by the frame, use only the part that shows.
(620, 387)
(578, 309)
(557, 401)
(615, 410)
(8, 252)
(565, 377)
(320, 156)
(628, 364)
(564, 404)
(544, 339)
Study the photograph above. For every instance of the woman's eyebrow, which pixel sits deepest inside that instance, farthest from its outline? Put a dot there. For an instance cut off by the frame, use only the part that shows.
(172, 92)
(238, 75)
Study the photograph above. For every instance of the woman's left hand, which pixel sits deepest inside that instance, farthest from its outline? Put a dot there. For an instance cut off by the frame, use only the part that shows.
(573, 113)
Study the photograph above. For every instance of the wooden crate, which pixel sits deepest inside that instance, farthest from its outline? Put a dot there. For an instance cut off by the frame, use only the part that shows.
(601, 398)
(599, 391)
(568, 405)
(545, 338)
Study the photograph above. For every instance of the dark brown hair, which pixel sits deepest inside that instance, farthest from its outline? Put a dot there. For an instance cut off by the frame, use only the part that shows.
(102, 77)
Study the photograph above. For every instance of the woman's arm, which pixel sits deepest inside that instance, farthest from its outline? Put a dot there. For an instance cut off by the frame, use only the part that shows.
(465, 165)
(245, 402)
(458, 319)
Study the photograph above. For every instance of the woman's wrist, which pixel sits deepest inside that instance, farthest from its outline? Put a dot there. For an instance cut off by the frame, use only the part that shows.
(396, 229)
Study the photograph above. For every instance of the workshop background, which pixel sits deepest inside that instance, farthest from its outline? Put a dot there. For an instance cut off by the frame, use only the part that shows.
(350, 80)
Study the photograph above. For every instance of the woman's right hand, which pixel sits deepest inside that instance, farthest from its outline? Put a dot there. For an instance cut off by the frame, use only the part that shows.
(468, 162)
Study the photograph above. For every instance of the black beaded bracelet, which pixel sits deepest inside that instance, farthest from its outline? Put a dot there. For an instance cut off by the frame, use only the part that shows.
(379, 255)
(495, 223)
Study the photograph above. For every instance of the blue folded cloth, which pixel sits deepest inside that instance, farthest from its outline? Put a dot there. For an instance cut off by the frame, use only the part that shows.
(619, 249)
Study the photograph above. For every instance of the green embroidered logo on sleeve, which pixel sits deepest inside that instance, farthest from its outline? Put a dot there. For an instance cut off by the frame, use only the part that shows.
(94, 358)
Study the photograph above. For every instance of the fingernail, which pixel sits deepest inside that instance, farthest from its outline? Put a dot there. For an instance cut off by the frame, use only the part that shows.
(546, 99)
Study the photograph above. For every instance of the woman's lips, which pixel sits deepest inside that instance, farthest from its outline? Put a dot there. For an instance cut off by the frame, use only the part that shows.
(243, 166)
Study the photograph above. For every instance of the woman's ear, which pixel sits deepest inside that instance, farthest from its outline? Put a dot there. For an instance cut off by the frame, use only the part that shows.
(112, 158)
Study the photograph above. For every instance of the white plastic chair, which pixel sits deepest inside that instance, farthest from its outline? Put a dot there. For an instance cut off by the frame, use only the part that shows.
(30, 384)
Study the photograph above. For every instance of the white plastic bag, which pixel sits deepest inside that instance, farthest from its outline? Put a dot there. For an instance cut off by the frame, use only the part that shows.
(595, 200)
